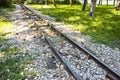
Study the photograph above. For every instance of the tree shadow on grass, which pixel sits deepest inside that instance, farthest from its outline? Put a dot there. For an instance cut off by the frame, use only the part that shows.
(104, 28)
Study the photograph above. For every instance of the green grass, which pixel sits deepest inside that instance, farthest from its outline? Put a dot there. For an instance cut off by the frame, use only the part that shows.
(5, 25)
(11, 69)
(10, 51)
(12, 61)
(104, 28)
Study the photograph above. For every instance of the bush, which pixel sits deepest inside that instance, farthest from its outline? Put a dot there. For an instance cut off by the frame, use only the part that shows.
(5, 3)
(50, 1)
(35, 1)
(19, 1)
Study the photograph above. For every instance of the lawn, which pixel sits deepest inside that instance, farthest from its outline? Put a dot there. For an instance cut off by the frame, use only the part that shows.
(5, 25)
(104, 28)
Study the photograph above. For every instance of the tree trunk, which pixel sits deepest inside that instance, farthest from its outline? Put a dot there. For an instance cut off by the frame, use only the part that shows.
(71, 3)
(93, 7)
(118, 5)
(84, 5)
(107, 3)
(46, 2)
(100, 2)
(114, 2)
(54, 3)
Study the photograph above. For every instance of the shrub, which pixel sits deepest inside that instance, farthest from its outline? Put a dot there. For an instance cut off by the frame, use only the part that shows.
(5, 3)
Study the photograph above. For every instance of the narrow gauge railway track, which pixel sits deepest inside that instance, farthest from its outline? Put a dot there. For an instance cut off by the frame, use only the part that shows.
(110, 73)
(88, 60)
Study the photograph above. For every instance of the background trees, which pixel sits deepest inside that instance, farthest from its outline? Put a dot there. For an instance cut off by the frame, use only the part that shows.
(5, 3)
(20, 1)
(54, 3)
(84, 5)
(46, 2)
(92, 9)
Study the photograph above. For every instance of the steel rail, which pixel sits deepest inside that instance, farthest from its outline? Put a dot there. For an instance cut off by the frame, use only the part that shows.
(113, 75)
(58, 55)
(25, 7)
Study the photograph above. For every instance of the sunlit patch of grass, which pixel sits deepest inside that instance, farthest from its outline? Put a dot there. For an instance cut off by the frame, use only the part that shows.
(104, 28)
(5, 25)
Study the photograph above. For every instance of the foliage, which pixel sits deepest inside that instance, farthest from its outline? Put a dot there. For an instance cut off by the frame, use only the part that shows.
(34, 1)
(19, 1)
(68, 1)
(49, 1)
(5, 3)
(104, 28)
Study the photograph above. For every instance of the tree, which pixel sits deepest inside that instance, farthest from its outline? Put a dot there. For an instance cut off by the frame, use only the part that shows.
(107, 2)
(84, 5)
(66, 1)
(70, 2)
(5, 3)
(118, 5)
(114, 2)
(54, 3)
(100, 2)
(46, 2)
(92, 9)
(20, 1)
